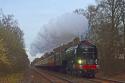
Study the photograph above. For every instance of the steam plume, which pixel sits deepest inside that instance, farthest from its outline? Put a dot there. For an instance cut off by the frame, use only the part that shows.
(58, 31)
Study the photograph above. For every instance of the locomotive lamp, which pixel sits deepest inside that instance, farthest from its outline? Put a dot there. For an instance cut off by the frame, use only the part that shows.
(80, 61)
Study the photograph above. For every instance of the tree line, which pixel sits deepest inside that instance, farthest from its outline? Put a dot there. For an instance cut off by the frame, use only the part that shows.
(107, 30)
(13, 57)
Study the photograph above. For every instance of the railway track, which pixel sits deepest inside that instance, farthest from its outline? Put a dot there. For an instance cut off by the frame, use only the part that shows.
(51, 77)
(71, 79)
(104, 80)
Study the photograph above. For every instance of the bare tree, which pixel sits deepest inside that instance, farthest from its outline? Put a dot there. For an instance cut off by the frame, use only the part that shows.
(105, 21)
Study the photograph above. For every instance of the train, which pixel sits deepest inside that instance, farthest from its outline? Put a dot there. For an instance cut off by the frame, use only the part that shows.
(75, 58)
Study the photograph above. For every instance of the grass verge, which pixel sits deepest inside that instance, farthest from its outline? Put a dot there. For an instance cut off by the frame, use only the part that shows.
(12, 78)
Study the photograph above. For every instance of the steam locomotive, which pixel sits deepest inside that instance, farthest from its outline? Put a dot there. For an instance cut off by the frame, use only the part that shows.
(77, 58)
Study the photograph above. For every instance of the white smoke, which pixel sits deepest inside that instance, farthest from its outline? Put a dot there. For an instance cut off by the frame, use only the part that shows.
(60, 30)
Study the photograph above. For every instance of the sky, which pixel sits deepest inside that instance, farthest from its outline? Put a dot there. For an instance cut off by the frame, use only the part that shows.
(33, 14)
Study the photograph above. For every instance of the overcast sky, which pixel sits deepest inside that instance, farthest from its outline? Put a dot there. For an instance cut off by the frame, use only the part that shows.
(33, 14)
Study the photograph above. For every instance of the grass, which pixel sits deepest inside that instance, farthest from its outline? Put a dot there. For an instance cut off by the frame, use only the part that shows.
(12, 78)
